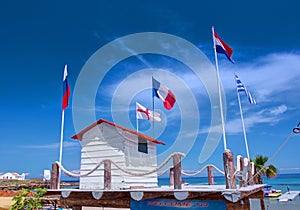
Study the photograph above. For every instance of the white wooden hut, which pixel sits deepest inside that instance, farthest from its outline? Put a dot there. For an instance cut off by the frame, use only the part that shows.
(131, 150)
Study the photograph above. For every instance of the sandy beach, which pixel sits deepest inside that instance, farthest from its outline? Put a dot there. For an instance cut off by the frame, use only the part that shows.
(5, 202)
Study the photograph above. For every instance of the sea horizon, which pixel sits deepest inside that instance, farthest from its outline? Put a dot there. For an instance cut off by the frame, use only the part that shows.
(280, 182)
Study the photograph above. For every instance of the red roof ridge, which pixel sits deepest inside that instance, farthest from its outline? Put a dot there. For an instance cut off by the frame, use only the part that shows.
(79, 135)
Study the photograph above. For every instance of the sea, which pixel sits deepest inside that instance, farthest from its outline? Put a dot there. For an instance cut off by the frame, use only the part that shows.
(280, 182)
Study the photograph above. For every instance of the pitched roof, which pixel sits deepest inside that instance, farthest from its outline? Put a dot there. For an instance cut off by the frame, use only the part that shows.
(79, 135)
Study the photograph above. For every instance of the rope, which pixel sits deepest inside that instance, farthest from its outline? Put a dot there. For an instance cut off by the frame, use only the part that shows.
(273, 156)
(76, 175)
(201, 170)
(151, 171)
(164, 172)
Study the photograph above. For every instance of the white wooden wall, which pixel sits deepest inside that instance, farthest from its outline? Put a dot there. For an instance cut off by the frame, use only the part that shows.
(106, 142)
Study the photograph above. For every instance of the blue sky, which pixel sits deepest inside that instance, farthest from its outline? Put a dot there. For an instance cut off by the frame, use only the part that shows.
(39, 37)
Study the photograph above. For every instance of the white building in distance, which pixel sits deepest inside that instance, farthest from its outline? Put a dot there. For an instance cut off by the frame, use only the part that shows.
(15, 176)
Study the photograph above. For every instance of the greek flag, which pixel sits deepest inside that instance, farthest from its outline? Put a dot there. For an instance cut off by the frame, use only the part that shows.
(241, 88)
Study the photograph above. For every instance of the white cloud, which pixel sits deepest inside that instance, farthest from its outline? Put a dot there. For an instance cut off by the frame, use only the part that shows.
(279, 110)
(268, 116)
(267, 76)
(66, 144)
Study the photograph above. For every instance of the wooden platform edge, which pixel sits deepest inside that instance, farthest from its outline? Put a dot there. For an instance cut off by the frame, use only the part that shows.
(121, 198)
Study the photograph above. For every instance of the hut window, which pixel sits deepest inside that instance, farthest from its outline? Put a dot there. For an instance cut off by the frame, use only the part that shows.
(142, 145)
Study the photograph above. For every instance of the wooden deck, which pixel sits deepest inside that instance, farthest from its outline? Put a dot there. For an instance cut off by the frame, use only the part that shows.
(231, 195)
(235, 198)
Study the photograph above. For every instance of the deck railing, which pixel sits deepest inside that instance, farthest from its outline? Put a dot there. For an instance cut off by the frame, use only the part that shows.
(244, 175)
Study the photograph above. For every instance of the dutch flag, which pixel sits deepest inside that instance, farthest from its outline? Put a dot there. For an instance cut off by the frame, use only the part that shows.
(222, 47)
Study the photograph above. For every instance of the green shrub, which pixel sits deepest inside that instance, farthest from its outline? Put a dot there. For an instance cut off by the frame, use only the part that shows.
(28, 200)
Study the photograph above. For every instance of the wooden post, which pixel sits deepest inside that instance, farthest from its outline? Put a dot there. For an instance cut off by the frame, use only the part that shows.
(107, 175)
(228, 161)
(171, 176)
(210, 175)
(262, 202)
(250, 175)
(177, 172)
(255, 179)
(54, 176)
(76, 207)
(242, 182)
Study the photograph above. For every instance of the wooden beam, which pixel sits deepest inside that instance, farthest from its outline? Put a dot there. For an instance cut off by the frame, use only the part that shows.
(229, 170)
(243, 183)
(177, 171)
(250, 175)
(255, 177)
(243, 204)
(107, 174)
(123, 203)
(210, 175)
(121, 199)
(54, 176)
(172, 176)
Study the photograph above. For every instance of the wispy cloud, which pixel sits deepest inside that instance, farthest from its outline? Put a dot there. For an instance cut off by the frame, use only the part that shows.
(54, 146)
(267, 76)
(279, 110)
(269, 116)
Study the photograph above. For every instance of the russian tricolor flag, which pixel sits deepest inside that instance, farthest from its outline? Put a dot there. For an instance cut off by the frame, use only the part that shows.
(66, 89)
(222, 47)
(163, 93)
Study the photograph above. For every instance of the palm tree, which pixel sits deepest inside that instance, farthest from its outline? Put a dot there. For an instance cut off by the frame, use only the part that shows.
(269, 171)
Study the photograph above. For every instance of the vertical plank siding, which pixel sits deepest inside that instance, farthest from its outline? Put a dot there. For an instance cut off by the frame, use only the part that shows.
(107, 142)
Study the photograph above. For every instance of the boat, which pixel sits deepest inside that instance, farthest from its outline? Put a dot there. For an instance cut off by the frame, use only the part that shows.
(271, 193)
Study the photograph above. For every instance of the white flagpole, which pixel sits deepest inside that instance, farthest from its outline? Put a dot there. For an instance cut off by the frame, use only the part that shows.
(219, 90)
(152, 110)
(61, 137)
(243, 124)
(61, 145)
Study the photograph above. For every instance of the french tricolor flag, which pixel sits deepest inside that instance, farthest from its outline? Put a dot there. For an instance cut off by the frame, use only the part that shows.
(163, 93)
(66, 89)
(222, 47)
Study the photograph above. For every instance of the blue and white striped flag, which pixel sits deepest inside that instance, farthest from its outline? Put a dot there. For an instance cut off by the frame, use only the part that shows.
(241, 88)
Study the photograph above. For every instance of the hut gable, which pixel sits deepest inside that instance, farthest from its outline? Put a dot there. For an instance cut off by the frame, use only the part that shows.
(131, 150)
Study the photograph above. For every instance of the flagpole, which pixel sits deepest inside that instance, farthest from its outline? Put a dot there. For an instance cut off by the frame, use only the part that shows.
(243, 124)
(61, 132)
(152, 110)
(219, 90)
(61, 145)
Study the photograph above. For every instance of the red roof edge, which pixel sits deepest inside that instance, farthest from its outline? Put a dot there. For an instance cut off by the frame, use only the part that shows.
(79, 135)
